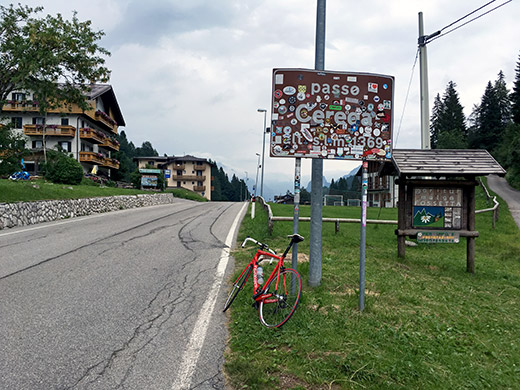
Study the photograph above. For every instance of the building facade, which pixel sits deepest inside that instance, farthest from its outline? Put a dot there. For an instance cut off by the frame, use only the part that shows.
(90, 136)
(191, 173)
(382, 190)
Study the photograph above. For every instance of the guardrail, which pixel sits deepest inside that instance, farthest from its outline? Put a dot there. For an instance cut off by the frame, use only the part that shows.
(495, 209)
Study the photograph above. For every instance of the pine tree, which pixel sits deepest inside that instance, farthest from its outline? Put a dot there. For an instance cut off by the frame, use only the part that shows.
(515, 96)
(448, 124)
(434, 121)
(488, 129)
(503, 98)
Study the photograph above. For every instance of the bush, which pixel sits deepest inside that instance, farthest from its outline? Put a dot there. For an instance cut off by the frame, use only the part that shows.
(61, 168)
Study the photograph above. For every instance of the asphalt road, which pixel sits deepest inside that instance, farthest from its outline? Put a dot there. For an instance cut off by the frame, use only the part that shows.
(509, 194)
(111, 301)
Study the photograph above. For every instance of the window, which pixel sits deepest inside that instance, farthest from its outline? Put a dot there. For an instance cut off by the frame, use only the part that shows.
(38, 120)
(199, 183)
(17, 122)
(179, 173)
(151, 163)
(199, 173)
(86, 148)
(65, 145)
(178, 184)
(38, 144)
(64, 121)
(17, 96)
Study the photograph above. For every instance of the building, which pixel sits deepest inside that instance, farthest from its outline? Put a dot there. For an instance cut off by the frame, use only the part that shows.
(382, 189)
(187, 172)
(88, 135)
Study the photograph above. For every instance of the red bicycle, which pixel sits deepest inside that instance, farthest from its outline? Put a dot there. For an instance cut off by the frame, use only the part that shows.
(278, 298)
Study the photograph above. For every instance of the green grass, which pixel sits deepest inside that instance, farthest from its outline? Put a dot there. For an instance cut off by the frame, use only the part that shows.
(33, 190)
(427, 323)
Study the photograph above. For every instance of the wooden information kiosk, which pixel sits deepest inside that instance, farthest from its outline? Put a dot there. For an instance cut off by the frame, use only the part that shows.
(437, 195)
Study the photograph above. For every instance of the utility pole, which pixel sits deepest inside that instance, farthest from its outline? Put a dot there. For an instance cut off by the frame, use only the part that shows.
(423, 74)
(317, 166)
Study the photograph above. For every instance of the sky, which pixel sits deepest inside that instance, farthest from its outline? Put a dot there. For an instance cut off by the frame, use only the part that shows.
(190, 76)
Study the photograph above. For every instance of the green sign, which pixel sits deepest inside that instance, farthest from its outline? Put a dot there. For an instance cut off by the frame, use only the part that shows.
(438, 237)
(156, 171)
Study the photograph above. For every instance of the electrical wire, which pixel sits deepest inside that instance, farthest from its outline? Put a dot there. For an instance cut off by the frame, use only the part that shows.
(464, 17)
(469, 21)
(406, 98)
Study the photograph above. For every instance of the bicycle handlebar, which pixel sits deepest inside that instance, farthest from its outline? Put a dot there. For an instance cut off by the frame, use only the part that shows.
(261, 245)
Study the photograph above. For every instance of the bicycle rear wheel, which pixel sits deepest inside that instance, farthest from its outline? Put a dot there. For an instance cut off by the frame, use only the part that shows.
(275, 310)
(237, 286)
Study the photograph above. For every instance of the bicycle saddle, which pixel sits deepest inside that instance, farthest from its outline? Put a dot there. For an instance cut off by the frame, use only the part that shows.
(296, 238)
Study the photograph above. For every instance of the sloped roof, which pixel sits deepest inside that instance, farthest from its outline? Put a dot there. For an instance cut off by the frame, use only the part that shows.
(445, 162)
(107, 95)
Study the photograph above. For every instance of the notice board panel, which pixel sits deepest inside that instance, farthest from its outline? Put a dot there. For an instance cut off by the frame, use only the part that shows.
(334, 115)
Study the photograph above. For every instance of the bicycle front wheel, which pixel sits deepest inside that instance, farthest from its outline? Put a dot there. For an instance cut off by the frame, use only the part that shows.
(279, 306)
(237, 286)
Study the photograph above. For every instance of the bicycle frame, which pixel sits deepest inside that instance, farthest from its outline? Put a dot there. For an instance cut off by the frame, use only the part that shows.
(255, 262)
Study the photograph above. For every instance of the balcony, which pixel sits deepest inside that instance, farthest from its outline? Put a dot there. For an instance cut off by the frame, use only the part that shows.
(199, 167)
(110, 143)
(188, 178)
(199, 188)
(178, 167)
(50, 130)
(94, 136)
(92, 158)
(14, 105)
(110, 162)
(106, 120)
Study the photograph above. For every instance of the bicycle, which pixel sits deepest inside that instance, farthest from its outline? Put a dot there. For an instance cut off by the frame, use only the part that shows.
(279, 297)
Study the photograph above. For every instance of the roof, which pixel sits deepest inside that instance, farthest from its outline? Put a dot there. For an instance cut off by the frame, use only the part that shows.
(169, 159)
(445, 162)
(107, 95)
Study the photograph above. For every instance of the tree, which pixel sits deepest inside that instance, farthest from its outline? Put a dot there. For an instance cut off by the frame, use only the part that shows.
(12, 149)
(146, 150)
(488, 127)
(54, 58)
(515, 96)
(448, 124)
(434, 121)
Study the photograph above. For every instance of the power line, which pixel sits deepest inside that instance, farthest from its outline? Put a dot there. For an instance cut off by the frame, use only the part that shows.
(406, 98)
(469, 21)
(464, 17)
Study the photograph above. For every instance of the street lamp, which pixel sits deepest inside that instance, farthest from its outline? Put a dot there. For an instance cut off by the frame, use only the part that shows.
(263, 151)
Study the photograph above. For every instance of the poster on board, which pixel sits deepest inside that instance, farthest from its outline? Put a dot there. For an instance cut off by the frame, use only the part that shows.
(334, 115)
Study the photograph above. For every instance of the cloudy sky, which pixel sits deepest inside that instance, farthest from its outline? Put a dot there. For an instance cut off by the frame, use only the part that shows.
(190, 75)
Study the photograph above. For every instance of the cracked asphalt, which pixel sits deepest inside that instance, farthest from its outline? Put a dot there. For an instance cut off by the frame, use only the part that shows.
(110, 301)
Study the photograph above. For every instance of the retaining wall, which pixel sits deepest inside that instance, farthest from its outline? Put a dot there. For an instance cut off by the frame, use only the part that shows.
(29, 213)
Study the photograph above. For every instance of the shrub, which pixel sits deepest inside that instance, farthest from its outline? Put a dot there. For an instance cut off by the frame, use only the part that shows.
(61, 168)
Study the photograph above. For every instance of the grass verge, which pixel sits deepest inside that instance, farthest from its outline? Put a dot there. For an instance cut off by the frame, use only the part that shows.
(427, 323)
(33, 190)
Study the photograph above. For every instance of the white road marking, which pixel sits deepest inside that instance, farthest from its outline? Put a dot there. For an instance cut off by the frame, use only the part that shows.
(191, 355)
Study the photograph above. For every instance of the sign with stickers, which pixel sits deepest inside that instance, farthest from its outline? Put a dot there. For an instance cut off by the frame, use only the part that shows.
(334, 115)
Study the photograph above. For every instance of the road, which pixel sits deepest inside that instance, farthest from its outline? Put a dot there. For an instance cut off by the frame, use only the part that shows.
(116, 301)
(509, 194)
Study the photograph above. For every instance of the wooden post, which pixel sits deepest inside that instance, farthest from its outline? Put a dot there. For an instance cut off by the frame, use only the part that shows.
(401, 218)
(337, 226)
(470, 241)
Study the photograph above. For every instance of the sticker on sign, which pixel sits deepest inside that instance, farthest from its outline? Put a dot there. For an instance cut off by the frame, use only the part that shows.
(331, 114)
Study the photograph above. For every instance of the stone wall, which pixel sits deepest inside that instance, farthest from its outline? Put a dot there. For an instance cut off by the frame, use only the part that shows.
(29, 213)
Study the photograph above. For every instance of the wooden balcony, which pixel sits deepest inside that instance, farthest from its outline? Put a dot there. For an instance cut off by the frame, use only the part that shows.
(91, 158)
(199, 167)
(199, 188)
(92, 135)
(188, 178)
(110, 162)
(110, 143)
(178, 167)
(50, 130)
(14, 106)
(106, 120)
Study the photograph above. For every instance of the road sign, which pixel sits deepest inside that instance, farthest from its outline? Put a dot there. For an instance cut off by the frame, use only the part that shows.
(334, 115)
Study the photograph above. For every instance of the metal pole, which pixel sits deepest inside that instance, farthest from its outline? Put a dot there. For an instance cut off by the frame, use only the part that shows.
(296, 216)
(263, 153)
(256, 186)
(423, 74)
(362, 252)
(317, 166)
